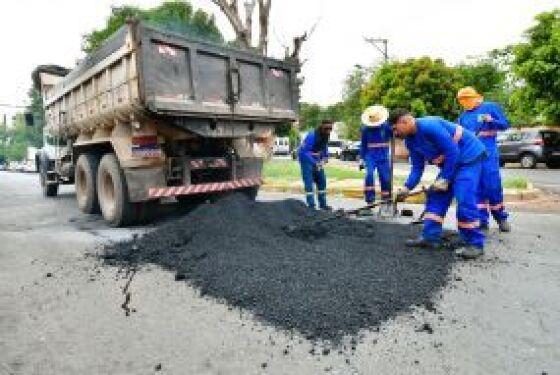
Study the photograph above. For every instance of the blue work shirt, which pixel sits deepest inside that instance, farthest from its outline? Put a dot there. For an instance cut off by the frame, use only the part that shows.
(443, 143)
(486, 131)
(312, 149)
(376, 141)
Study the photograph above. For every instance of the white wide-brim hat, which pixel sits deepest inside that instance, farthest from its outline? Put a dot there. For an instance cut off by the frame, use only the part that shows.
(375, 115)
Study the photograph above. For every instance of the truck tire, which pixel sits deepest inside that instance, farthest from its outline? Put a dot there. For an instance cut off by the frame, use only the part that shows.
(251, 192)
(49, 190)
(85, 178)
(528, 160)
(112, 191)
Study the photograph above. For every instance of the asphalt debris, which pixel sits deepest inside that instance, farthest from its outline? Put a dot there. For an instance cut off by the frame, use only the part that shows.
(326, 281)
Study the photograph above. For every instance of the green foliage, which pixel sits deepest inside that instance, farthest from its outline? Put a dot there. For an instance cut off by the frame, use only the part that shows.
(536, 64)
(422, 85)
(173, 15)
(310, 116)
(289, 171)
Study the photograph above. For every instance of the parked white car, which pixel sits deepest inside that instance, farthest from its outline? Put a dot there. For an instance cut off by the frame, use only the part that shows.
(281, 146)
(335, 148)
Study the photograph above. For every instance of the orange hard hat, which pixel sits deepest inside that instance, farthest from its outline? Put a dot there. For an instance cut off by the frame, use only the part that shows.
(468, 92)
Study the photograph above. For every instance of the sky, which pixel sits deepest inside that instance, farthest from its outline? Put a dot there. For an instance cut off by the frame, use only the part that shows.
(34, 32)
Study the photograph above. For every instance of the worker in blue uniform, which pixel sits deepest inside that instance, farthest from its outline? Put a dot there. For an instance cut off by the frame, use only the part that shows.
(459, 155)
(486, 119)
(374, 151)
(313, 154)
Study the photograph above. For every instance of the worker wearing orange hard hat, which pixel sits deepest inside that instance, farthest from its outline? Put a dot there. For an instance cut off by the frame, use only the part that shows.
(486, 119)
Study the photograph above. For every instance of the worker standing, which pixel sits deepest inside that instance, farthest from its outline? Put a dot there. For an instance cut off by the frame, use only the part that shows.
(459, 155)
(374, 151)
(312, 155)
(486, 119)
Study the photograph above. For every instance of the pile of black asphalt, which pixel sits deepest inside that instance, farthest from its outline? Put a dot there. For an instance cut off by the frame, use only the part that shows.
(325, 280)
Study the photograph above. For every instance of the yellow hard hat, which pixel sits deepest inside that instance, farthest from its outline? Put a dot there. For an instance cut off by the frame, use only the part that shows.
(468, 92)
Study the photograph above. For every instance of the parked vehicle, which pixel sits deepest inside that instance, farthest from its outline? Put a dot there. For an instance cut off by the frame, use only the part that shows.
(335, 148)
(351, 151)
(281, 146)
(529, 147)
(153, 115)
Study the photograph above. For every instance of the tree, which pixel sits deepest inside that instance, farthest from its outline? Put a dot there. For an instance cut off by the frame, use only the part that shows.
(174, 15)
(536, 64)
(422, 85)
(310, 116)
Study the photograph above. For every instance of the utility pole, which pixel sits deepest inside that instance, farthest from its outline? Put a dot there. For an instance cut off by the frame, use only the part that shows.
(376, 43)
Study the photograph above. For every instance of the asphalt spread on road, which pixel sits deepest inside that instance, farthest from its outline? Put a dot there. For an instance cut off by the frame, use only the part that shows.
(325, 280)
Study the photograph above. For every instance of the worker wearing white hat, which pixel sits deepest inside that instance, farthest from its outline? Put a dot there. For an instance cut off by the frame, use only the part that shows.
(374, 151)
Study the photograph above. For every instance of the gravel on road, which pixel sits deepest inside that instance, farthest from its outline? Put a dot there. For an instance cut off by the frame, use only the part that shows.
(324, 281)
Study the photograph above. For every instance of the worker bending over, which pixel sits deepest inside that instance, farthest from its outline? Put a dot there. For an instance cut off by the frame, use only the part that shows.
(374, 151)
(486, 119)
(312, 155)
(459, 155)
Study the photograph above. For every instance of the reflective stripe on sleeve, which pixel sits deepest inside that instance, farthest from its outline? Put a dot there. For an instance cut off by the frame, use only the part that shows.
(378, 145)
(458, 134)
(487, 133)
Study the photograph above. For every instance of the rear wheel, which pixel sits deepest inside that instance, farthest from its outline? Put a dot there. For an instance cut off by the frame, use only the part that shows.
(85, 177)
(528, 161)
(112, 191)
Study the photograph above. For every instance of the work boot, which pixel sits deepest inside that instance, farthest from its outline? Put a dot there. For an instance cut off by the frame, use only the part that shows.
(469, 252)
(422, 243)
(504, 226)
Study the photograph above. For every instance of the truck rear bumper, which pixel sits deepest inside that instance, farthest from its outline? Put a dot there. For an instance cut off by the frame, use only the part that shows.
(214, 187)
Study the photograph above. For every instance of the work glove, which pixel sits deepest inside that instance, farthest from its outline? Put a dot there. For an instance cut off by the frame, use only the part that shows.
(319, 166)
(361, 166)
(440, 185)
(402, 193)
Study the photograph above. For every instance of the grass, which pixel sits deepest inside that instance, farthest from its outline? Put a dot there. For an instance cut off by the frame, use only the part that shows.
(289, 170)
(515, 182)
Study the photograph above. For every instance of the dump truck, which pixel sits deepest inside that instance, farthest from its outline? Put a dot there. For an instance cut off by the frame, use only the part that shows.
(153, 115)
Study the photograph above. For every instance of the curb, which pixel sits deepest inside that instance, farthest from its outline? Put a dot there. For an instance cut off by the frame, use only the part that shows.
(510, 195)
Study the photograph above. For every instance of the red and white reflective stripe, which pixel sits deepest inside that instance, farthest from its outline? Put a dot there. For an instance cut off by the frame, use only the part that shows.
(378, 145)
(481, 206)
(468, 225)
(385, 193)
(438, 160)
(497, 207)
(458, 134)
(315, 153)
(487, 133)
(369, 188)
(203, 188)
(433, 217)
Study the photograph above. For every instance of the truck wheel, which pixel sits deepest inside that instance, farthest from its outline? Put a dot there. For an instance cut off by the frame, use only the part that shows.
(49, 190)
(85, 177)
(251, 192)
(113, 192)
(528, 161)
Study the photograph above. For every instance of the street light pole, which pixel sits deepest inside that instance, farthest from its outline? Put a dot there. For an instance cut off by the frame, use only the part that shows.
(383, 49)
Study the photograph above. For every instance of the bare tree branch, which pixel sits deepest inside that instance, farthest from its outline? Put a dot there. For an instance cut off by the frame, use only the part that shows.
(249, 8)
(264, 13)
(231, 11)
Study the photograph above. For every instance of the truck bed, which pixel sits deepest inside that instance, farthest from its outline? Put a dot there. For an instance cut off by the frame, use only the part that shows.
(142, 69)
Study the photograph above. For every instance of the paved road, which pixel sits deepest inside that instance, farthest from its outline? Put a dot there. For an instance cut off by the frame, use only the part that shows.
(60, 309)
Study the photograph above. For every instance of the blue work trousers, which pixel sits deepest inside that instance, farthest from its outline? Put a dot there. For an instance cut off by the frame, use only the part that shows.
(313, 176)
(383, 167)
(464, 189)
